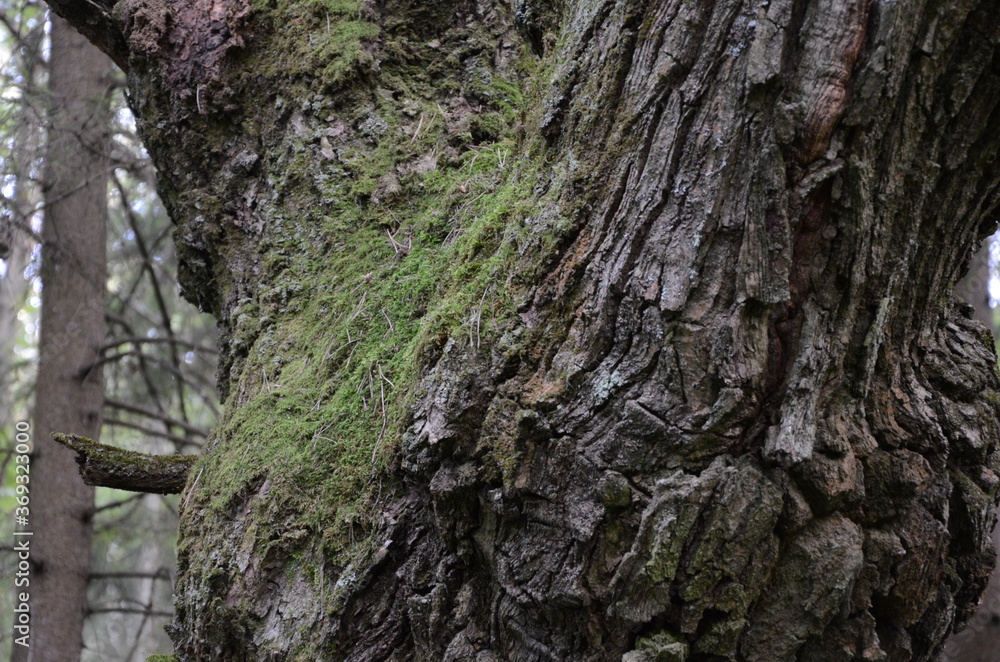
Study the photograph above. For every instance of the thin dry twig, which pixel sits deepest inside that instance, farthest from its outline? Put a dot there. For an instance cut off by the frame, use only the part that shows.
(385, 416)
(187, 500)
(475, 323)
(169, 420)
(417, 132)
(115, 422)
(382, 375)
(397, 246)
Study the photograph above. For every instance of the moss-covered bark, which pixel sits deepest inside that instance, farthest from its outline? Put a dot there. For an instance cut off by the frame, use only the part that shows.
(107, 466)
(580, 331)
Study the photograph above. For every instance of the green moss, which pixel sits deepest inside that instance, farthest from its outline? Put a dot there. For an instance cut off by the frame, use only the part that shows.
(389, 216)
(335, 8)
(325, 37)
(110, 466)
(321, 400)
(324, 398)
(993, 397)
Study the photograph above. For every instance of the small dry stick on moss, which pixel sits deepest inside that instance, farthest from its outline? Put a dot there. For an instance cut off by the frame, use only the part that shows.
(107, 466)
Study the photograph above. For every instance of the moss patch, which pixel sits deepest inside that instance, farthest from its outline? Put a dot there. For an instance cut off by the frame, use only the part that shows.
(381, 203)
(397, 218)
(323, 396)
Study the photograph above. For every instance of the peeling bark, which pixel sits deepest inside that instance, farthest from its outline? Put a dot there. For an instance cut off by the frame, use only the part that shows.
(692, 385)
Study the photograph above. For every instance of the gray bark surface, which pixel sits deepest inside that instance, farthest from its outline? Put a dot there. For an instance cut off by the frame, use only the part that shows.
(691, 383)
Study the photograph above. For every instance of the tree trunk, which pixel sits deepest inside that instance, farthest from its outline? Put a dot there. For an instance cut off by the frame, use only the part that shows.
(580, 331)
(16, 240)
(70, 391)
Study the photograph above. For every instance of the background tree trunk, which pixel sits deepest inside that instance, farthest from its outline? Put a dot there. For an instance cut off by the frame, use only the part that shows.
(979, 641)
(70, 391)
(580, 331)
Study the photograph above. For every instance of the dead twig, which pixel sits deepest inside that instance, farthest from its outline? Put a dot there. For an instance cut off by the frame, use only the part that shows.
(385, 416)
(417, 132)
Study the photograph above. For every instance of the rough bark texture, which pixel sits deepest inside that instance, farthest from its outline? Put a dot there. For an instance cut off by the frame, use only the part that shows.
(582, 330)
(69, 391)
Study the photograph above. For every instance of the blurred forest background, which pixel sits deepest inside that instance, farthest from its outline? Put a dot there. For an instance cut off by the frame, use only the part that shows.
(158, 357)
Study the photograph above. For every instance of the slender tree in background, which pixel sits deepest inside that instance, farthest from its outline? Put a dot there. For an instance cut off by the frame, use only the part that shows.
(22, 142)
(974, 288)
(14, 290)
(586, 330)
(156, 357)
(70, 388)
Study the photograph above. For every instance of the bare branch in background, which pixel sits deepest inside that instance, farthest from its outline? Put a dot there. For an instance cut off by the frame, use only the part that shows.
(169, 420)
(114, 422)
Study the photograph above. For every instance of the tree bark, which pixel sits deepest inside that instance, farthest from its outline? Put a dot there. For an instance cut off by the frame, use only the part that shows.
(584, 330)
(69, 391)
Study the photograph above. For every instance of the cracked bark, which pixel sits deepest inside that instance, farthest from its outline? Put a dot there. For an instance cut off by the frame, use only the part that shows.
(737, 415)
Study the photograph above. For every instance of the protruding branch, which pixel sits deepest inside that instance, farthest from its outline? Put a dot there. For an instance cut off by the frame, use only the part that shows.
(107, 466)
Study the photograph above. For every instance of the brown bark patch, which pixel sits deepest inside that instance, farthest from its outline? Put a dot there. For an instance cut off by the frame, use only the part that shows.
(189, 36)
(833, 36)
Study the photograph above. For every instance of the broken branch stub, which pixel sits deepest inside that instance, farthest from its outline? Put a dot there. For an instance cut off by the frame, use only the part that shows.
(107, 466)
